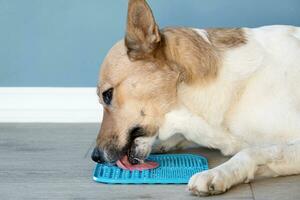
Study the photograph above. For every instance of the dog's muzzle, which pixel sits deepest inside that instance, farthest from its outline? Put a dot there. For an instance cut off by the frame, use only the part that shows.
(112, 154)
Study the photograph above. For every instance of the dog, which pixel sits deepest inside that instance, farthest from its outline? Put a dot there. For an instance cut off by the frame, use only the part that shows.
(232, 89)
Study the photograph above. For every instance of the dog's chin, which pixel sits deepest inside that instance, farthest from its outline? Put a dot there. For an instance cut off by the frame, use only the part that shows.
(137, 157)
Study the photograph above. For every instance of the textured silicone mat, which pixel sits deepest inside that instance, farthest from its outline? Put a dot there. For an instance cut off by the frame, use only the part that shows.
(173, 168)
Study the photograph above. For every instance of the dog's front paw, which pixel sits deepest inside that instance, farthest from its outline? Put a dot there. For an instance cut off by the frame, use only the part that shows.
(209, 182)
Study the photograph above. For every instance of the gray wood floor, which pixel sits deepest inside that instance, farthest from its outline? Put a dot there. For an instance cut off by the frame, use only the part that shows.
(52, 161)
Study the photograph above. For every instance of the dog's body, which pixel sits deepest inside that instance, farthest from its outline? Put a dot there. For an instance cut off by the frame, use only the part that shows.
(253, 101)
(235, 90)
(251, 110)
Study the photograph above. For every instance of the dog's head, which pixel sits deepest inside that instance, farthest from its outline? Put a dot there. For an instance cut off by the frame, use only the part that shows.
(139, 79)
(135, 89)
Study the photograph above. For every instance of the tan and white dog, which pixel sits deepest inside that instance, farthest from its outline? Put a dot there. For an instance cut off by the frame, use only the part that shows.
(236, 90)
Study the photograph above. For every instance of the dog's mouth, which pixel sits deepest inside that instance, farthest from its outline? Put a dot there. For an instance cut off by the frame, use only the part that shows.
(130, 158)
(131, 154)
(134, 161)
(140, 165)
(135, 153)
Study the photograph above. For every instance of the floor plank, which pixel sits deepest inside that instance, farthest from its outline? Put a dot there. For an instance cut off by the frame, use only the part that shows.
(277, 188)
(52, 161)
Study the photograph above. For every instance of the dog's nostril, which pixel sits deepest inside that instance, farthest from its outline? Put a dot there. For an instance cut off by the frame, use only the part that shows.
(97, 155)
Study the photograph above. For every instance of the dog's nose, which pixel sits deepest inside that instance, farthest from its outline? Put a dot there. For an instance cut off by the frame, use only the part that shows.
(98, 155)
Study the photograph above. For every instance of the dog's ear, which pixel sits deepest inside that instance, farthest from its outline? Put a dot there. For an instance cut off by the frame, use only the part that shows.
(142, 34)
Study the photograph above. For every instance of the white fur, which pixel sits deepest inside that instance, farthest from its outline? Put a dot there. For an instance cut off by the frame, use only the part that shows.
(176, 142)
(252, 110)
(203, 33)
(195, 129)
(143, 145)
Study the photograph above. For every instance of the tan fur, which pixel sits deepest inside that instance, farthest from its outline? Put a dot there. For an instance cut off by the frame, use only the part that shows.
(194, 57)
(224, 38)
(142, 35)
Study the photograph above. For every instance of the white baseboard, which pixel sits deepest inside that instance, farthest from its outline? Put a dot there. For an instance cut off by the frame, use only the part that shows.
(41, 104)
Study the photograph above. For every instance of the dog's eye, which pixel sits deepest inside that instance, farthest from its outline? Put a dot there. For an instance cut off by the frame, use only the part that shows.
(107, 96)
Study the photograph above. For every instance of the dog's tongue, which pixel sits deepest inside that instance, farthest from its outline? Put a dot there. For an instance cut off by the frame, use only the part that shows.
(125, 164)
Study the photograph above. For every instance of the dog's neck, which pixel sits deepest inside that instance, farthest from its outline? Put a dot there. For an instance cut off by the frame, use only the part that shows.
(197, 53)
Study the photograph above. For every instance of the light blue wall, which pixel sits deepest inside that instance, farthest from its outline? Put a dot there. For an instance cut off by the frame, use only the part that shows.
(62, 42)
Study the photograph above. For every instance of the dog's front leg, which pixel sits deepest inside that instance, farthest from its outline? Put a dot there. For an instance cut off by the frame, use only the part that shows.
(270, 161)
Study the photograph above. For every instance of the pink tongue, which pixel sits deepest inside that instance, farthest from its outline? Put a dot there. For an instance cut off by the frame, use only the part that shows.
(125, 164)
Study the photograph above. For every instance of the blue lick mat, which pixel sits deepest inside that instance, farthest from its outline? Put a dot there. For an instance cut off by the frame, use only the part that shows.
(173, 168)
